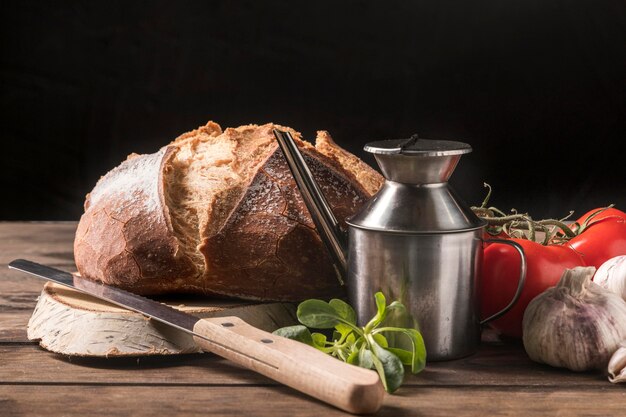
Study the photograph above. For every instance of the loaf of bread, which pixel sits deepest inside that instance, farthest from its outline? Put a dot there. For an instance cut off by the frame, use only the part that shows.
(218, 213)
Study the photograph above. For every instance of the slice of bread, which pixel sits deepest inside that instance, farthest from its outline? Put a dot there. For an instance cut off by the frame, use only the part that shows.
(218, 212)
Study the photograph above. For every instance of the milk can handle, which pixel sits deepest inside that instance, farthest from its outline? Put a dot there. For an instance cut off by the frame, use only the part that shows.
(520, 282)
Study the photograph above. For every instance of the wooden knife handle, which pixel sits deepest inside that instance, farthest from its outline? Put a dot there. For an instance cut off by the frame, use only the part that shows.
(295, 364)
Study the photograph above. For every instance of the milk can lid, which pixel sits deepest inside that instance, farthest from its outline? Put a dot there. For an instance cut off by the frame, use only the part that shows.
(416, 146)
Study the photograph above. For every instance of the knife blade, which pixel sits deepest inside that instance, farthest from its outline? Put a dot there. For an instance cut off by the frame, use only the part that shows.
(295, 364)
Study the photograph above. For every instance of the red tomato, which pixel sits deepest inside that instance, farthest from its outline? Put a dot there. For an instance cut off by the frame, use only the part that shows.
(603, 213)
(500, 273)
(603, 238)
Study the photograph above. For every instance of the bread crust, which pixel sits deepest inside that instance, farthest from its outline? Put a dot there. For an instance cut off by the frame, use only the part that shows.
(125, 237)
(359, 171)
(266, 249)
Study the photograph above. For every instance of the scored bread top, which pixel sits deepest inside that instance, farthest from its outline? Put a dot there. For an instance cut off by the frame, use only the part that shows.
(208, 177)
(218, 212)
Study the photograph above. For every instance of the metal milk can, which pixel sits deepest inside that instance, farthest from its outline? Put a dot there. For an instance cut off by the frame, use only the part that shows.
(415, 241)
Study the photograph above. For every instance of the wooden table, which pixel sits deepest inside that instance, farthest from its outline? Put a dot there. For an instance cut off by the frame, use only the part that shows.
(497, 381)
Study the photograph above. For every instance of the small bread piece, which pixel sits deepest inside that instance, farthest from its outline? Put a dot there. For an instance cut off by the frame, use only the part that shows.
(218, 213)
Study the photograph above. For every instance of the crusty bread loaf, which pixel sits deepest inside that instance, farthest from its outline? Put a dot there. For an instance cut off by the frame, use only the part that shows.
(218, 213)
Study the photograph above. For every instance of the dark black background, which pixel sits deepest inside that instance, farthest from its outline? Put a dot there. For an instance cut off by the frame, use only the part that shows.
(537, 87)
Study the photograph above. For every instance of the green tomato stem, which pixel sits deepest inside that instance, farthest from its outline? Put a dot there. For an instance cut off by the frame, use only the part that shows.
(499, 221)
(487, 197)
(497, 211)
(587, 221)
(558, 223)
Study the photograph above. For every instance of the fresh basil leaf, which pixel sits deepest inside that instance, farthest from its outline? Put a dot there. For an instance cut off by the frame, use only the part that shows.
(381, 304)
(405, 356)
(298, 332)
(380, 312)
(343, 310)
(379, 345)
(317, 314)
(418, 361)
(388, 365)
(341, 332)
(381, 340)
(378, 365)
(395, 305)
(366, 357)
(319, 340)
(336, 335)
(347, 313)
(398, 316)
(353, 358)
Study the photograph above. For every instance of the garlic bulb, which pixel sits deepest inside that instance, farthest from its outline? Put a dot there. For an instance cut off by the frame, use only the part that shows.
(617, 364)
(576, 325)
(612, 275)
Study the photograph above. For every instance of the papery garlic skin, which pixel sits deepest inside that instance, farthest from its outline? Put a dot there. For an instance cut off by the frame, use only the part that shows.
(576, 325)
(612, 275)
(617, 365)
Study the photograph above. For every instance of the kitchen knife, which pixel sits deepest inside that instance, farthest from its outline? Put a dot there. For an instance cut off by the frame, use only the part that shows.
(350, 388)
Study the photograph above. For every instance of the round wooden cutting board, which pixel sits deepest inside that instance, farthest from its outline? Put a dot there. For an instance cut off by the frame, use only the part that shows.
(72, 323)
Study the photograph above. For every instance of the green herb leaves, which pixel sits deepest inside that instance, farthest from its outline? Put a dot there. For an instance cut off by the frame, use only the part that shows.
(363, 346)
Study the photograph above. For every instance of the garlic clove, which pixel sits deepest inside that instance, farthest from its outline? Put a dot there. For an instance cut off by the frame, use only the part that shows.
(617, 365)
(612, 275)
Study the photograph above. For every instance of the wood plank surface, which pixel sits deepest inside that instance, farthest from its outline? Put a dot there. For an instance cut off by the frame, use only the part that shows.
(127, 400)
(499, 380)
(13, 327)
(46, 242)
(491, 366)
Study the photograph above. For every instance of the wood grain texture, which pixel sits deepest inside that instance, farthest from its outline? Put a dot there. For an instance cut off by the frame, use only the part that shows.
(13, 327)
(499, 380)
(495, 366)
(272, 401)
(45, 242)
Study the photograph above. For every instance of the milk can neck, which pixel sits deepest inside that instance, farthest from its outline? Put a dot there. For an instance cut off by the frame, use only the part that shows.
(417, 170)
